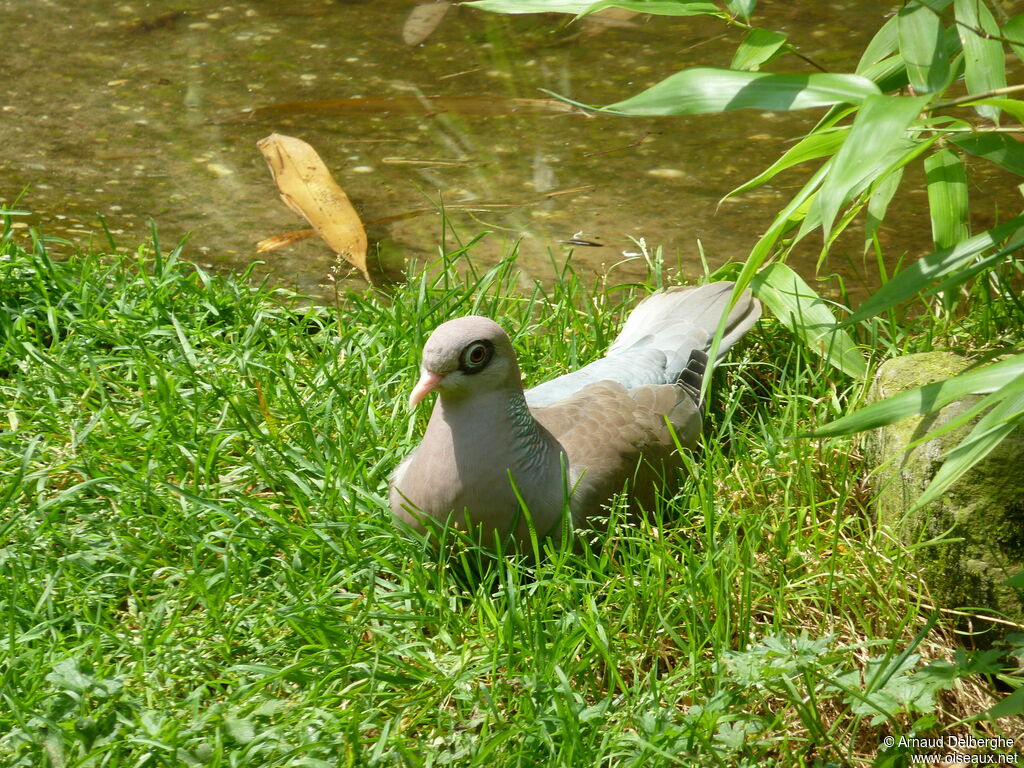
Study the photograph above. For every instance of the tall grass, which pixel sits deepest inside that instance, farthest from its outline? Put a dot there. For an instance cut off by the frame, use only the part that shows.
(197, 564)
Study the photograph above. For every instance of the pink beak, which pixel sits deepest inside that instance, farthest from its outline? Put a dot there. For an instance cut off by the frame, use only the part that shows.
(428, 383)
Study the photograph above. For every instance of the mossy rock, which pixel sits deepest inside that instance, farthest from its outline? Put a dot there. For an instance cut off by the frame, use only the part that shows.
(984, 509)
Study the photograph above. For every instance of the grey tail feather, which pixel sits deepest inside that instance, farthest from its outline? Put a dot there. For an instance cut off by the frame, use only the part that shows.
(739, 325)
(692, 376)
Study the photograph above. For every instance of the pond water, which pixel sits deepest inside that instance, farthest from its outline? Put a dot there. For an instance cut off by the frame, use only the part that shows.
(138, 110)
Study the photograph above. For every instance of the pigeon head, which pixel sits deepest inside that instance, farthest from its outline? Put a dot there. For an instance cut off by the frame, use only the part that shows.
(465, 357)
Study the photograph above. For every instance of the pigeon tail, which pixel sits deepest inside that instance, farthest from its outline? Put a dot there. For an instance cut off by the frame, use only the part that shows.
(658, 339)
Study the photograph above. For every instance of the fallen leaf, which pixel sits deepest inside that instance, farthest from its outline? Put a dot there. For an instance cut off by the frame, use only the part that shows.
(274, 242)
(422, 21)
(306, 186)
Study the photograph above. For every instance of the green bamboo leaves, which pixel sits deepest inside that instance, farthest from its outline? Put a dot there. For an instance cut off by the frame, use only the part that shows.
(821, 144)
(658, 7)
(759, 47)
(532, 6)
(896, 109)
(879, 127)
(583, 7)
(926, 399)
(1002, 383)
(984, 63)
(742, 7)
(947, 198)
(800, 309)
(705, 89)
(1005, 413)
(922, 45)
(998, 148)
(944, 269)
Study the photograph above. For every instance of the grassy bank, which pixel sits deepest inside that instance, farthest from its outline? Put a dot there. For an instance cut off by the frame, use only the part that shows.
(198, 567)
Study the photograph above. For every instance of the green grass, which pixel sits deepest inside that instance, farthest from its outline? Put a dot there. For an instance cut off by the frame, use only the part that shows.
(197, 564)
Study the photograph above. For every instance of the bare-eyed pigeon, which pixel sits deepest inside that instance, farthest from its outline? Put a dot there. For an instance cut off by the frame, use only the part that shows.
(499, 460)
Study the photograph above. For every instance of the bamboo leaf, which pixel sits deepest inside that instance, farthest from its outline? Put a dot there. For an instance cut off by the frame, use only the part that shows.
(574, 7)
(882, 62)
(802, 310)
(1006, 413)
(809, 148)
(947, 198)
(935, 266)
(583, 7)
(889, 75)
(881, 47)
(658, 7)
(965, 274)
(1013, 30)
(999, 148)
(758, 47)
(742, 7)
(925, 399)
(703, 89)
(984, 63)
(1013, 107)
(788, 217)
(899, 155)
(878, 204)
(880, 124)
(921, 45)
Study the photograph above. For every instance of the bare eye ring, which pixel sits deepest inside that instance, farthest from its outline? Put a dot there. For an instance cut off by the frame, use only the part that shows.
(476, 356)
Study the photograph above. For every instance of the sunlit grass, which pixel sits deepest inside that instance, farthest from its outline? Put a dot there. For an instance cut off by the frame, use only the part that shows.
(198, 567)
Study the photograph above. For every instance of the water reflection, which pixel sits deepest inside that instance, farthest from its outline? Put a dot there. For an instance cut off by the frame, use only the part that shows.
(139, 110)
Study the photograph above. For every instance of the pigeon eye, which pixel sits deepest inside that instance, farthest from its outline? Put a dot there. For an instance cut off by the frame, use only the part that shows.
(476, 356)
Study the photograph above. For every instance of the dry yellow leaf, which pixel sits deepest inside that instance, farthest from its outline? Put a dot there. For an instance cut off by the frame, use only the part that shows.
(306, 186)
(284, 239)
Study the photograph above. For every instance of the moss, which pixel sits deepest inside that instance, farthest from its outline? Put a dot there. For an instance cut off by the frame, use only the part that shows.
(980, 521)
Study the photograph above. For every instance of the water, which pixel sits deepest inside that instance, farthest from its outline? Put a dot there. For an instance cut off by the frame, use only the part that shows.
(146, 110)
